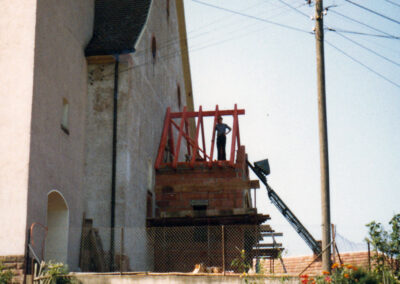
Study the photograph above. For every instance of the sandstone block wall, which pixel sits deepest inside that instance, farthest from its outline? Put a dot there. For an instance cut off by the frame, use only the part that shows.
(15, 263)
(148, 83)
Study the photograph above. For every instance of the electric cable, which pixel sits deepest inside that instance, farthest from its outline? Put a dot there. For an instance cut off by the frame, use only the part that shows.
(368, 49)
(372, 11)
(294, 8)
(364, 24)
(359, 33)
(391, 2)
(252, 17)
(176, 39)
(362, 64)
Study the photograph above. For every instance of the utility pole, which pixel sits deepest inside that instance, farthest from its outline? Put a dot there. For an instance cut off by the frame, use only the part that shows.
(323, 137)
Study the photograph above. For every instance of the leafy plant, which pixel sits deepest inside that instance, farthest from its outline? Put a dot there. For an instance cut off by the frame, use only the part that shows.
(386, 246)
(5, 274)
(240, 263)
(54, 273)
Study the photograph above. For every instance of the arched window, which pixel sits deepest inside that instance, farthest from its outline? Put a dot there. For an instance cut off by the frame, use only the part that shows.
(58, 227)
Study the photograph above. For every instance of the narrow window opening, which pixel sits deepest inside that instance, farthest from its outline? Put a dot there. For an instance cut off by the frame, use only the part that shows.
(154, 48)
(179, 96)
(65, 116)
(167, 10)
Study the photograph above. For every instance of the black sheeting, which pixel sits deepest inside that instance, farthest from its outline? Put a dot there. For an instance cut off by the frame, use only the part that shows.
(117, 26)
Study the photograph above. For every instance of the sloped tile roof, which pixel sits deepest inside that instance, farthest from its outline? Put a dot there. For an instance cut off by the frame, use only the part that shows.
(117, 26)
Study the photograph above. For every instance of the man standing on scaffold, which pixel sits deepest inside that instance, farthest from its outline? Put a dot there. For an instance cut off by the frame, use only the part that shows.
(221, 138)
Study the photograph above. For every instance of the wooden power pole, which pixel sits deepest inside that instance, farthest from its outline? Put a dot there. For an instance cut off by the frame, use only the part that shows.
(323, 136)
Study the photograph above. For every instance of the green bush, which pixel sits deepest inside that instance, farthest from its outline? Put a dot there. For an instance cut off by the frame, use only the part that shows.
(5, 275)
(55, 273)
(386, 245)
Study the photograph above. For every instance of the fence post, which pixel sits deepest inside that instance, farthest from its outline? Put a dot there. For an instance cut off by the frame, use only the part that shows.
(208, 245)
(369, 256)
(223, 249)
(333, 242)
(121, 257)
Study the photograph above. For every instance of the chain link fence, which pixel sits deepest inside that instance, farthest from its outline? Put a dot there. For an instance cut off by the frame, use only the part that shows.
(216, 249)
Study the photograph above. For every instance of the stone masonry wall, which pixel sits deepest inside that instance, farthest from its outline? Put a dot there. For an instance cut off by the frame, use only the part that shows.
(15, 263)
(147, 86)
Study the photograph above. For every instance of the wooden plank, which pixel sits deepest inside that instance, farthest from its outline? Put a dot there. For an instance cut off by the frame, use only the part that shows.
(178, 143)
(267, 252)
(100, 59)
(163, 141)
(269, 245)
(234, 134)
(265, 228)
(216, 114)
(269, 234)
(190, 114)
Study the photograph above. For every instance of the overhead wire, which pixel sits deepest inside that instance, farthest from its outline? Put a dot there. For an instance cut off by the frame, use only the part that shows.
(378, 44)
(173, 54)
(194, 49)
(190, 35)
(359, 33)
(354, 59)
(252, 17)
(372, 11)
(361, 23)
(177, 53)
(368, 49)
(362, 64)
(193, 33)
(393, 3)
(294, 8)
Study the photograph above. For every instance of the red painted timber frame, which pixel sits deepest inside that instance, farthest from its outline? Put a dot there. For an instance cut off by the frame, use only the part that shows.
(196, 153)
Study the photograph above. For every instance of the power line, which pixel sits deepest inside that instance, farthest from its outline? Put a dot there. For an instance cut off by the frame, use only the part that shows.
(294, 8)
(368, 49)
(170, 42)
(364, 24)
(345, 31)
(360, 33)
(398, 5)
(362, 64)
(173, 54)
(372, 11)
(252, 17)
(192, 34)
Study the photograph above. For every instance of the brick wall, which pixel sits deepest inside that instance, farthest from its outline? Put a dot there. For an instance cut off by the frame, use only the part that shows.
(295, 265)
(16, 264)
(222, 186)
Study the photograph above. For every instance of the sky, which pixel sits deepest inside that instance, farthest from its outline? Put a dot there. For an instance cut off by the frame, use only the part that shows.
(262, 57)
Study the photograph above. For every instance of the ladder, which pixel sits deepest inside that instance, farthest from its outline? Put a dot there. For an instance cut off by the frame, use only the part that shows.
(261, 169)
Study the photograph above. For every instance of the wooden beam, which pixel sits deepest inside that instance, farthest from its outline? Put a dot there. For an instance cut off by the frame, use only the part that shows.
(270, 245)
(100, 59)
(207, 113)
(272, 234)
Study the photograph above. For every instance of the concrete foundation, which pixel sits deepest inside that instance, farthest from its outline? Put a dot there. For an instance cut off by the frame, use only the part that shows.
(181, 278)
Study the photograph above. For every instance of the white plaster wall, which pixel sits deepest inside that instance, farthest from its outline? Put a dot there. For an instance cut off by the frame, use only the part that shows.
(17, 42)
(146, 88)
(63, 30)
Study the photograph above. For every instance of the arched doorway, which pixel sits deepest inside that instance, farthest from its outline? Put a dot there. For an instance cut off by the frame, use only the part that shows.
(58, 224)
